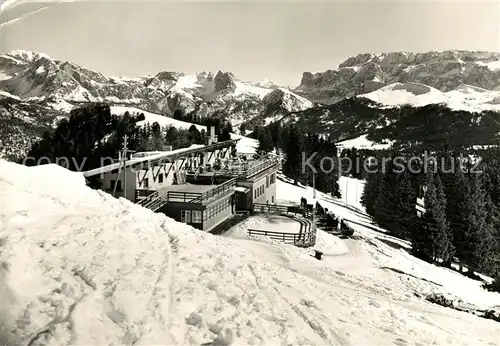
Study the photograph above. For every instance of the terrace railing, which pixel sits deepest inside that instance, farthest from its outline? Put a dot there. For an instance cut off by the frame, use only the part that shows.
(157, 199)
(153, 201)
(199, 197)
(299, 240)
(254, 169)
(278, 209)
(244, 169)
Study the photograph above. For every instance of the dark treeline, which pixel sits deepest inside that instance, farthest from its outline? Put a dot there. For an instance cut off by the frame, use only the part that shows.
(219, 119)
(298, 147)
(462, 209)
(354, 161)
(92, 134)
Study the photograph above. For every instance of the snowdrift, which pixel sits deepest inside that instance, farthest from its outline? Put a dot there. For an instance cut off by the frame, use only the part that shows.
(84, 268)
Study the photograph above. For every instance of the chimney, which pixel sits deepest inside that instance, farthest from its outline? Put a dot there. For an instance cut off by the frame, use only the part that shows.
(211, 138)
(212, 134)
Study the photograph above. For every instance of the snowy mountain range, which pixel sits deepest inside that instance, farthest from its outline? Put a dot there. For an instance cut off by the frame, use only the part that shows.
(36, 91)
(364, 73)
(34, 76)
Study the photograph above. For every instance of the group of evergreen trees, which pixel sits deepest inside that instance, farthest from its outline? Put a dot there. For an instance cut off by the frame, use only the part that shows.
(219, 119)
(353, 161)
(299, 147)
(92, 134)
(462, 209)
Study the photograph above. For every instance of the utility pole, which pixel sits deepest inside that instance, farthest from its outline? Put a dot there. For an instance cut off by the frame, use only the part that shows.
(123, 161)
(314, 185)
(346, 187)
(125, 139)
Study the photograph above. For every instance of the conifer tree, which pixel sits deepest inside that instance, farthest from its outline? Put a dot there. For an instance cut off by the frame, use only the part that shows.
(405, 214)
(355, 163)
(457, 194)
(293, 163)
(157, 137)
(265, 140)
(434, 242)
(478, 236)
(172, 135)
(370, 192)
(386, 201)
(243, 129)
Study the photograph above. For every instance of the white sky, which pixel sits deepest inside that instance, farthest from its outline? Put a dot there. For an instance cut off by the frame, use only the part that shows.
(254, 40)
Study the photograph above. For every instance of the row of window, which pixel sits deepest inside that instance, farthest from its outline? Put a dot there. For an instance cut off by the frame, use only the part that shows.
(191, 216)
(258, 191)
(270, 179)
(217, 208)
(195, 216)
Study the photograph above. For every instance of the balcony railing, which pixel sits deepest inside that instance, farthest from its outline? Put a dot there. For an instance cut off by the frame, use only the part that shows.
(199, 197)
(247, 169)
(153, 201)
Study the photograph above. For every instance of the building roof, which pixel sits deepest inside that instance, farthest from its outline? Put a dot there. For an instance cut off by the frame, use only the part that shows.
(160, 157)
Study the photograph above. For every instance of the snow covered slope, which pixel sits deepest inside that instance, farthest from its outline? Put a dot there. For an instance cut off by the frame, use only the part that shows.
(464, 97)
(362, 142)
(85, 268)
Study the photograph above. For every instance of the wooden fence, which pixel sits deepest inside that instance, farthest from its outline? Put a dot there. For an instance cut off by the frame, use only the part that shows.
(305, 238)
(288, 238)
(277, 209)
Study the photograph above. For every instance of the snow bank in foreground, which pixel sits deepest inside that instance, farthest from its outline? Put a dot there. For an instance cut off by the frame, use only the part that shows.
(87, 269)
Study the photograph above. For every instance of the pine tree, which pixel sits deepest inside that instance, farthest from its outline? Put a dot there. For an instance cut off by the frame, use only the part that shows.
(277, 135)
(457, 194)
(225, 132)
(370, 192)
(172, 135)
(157, 137)
(405, 214)
(434, 242)
(243, 129)
(194, 136)
(355, 163)
(265, 140)
(386, 201)
(478, 237)
(293, 163)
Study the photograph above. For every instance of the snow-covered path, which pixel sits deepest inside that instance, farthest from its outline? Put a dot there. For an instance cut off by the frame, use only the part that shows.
(87, 269)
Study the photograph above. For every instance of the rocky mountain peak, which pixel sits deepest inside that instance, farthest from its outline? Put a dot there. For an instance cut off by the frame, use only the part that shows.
(367, 72)
(208, 76)
(287, 99)
(224, 81)
(168, 76)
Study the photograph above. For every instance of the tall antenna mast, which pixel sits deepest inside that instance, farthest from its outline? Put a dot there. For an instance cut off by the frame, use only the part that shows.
(123, 160)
